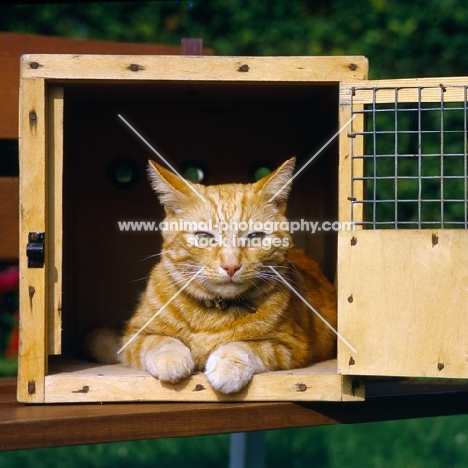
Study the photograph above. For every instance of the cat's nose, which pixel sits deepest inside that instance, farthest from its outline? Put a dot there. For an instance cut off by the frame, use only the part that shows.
(231, 268)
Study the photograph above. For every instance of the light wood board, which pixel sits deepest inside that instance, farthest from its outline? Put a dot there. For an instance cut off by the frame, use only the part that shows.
(87, 382)
(179, 68)
(403, 303)
(54, 218)
(32, 327)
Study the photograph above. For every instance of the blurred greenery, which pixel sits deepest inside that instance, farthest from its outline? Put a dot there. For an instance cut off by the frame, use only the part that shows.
(401, 39)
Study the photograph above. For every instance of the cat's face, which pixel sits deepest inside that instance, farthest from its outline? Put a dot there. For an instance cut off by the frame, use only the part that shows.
(230, 232)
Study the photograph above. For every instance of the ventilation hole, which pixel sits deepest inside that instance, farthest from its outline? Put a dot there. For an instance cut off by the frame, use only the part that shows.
(123, 173)
(260, 170)
(195, 171)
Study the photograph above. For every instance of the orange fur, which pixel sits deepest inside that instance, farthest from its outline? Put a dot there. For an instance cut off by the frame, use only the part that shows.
(233, 344)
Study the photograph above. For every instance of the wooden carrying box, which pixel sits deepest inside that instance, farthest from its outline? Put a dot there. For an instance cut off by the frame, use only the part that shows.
(228, 113)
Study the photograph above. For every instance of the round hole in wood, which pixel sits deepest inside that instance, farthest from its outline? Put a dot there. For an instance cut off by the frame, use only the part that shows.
(123, 172)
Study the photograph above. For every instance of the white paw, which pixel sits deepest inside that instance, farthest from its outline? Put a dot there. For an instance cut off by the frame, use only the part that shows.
(231, 367)
(170, 362)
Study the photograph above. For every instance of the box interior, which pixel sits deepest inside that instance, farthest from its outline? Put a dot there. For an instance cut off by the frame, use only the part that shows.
(229, 129)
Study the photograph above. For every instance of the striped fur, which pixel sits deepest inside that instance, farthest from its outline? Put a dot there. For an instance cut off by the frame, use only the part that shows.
(233, 344)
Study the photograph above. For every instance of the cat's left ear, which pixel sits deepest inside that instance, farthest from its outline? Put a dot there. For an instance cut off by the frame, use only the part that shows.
(275, 187)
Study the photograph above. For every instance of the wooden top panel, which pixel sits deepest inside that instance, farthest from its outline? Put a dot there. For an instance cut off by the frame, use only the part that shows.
(178, 68)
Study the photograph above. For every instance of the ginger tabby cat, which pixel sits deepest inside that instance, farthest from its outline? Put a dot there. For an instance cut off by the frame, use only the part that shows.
(236, 317)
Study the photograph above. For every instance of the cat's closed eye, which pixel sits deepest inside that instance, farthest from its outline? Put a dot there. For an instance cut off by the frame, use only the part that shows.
(256, 235)
(203, 235)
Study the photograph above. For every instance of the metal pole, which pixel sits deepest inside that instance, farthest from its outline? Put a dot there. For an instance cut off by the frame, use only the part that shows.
(247, 450)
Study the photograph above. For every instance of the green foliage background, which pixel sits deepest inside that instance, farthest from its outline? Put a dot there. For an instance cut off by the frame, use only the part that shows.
(401, 38)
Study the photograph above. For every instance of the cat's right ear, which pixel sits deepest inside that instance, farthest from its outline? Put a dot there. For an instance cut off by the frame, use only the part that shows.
(275, 187)
(172, 191)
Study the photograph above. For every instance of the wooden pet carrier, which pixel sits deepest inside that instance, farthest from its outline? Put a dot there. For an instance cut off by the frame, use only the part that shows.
(387, 187)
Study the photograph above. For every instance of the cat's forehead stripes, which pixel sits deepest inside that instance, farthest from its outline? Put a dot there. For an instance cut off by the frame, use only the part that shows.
(227, 203)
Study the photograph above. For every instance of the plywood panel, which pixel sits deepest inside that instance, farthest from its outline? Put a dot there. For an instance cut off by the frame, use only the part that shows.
(403, 298)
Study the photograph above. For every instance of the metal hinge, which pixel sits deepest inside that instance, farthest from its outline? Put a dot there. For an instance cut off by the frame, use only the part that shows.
(35, 249)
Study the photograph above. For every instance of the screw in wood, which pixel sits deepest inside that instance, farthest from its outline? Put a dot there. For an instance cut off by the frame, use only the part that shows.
(301, 387)
(31, 387)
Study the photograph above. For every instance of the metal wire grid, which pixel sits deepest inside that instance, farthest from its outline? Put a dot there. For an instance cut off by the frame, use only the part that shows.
(415, 162)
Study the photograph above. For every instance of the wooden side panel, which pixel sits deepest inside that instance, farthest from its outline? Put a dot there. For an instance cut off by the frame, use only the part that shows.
(54, 217)
(88, 383)
(32, 347)
(402, 303)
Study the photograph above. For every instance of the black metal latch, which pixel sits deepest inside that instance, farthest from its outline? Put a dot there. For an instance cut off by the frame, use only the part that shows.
(35, 249)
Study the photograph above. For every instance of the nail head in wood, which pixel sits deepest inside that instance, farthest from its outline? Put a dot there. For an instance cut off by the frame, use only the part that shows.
(301, 387)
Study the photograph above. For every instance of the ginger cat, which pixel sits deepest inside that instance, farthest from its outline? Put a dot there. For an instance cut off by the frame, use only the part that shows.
(236, 317)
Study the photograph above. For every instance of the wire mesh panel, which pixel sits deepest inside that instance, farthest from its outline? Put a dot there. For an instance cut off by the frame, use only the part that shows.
(411, 171)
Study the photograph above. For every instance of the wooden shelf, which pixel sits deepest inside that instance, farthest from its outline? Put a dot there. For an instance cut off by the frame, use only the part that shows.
(24, 426)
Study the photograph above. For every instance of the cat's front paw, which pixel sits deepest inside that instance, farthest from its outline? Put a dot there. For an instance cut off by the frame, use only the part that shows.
(231, 367)
(171, 361)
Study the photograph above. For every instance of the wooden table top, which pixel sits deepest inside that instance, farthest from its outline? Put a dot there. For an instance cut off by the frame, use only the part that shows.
(23, 426)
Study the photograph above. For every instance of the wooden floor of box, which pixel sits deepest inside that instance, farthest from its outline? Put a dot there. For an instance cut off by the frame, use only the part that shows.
(80, 381)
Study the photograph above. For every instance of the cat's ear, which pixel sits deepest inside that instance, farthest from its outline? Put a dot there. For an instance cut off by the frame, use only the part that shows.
(275, 187)
(172, 190)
